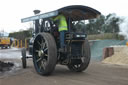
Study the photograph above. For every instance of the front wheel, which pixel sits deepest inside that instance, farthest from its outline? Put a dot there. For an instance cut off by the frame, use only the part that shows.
(24, 62)
(44, 53)
(85, 59)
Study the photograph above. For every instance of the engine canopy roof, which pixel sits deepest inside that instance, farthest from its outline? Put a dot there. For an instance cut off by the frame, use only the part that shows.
(75, 12)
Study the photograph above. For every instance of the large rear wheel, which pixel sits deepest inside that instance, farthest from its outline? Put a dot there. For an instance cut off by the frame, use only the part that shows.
(44, 53)
(85, 59)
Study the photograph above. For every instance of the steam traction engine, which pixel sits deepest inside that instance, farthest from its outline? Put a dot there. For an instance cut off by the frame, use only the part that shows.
(44, 45)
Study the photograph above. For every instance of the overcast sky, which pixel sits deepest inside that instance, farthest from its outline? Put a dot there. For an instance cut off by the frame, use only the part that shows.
(11, 11)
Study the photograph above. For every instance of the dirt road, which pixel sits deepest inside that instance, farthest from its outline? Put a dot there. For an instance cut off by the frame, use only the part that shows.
(96, 74)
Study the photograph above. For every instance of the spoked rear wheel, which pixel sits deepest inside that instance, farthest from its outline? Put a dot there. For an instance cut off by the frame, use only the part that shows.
(44, 53)
(85, 59)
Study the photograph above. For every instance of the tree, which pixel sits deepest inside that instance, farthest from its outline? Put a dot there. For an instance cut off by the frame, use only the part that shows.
(22, 34)
(80, 25)
(95, 26)
(111, 23)
(103, 24)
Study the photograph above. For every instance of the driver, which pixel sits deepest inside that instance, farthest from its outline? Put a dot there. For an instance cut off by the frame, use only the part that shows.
(62, 28)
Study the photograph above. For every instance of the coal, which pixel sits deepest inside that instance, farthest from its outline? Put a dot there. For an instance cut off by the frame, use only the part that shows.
(5, 66)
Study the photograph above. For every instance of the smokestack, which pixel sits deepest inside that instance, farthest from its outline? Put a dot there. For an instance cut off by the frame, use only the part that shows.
(37, 25)
(36, 12)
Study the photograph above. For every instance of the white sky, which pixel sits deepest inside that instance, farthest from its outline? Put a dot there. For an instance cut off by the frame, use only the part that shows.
(11, 11)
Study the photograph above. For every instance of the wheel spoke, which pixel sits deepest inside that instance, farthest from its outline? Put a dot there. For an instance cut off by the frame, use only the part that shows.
(75, 66)
(42, 40)
(39, 53)
(39, 59)
(44, 45)
(83, 59)
(40, 47)
(38, 43)
(40, 66)
(44, 63)
(37, 50)
(46, 54)
(45, 49)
